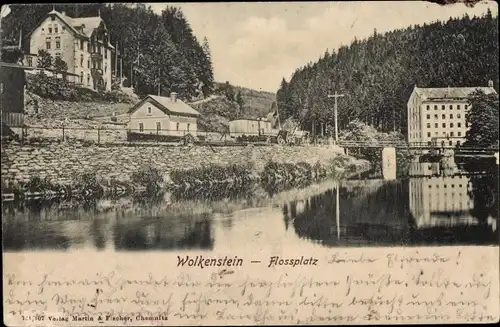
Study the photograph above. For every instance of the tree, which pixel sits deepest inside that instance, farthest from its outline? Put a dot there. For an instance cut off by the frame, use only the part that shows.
(60, 65)
(482, 119)
(228, 91)
(239, 100)
(44, 59)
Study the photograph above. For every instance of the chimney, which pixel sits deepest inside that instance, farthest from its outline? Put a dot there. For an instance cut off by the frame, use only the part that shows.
(490, 83)
(173, 97)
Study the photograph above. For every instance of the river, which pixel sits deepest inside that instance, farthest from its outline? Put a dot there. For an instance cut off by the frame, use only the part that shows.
(428, 207)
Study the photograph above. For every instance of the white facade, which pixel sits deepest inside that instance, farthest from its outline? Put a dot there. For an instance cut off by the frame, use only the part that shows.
(241, 127)
(81, 42)
(150, 117)
(437, 115)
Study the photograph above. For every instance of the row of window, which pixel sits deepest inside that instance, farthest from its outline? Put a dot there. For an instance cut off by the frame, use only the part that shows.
(54, 28)
(48, 43)
(436, 125)
(452, 134)
(158, 126)
(446, 185)
(95, 48)
(443, 116)
(443, 107)
(429, 134)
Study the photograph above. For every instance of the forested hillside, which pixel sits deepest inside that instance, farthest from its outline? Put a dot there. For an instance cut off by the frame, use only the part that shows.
(154, 47)
(378, 74)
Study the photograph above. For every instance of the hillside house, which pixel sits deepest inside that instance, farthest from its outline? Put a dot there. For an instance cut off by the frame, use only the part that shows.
(438, 115)
(83, 43)
(163, 116)
(247, 127)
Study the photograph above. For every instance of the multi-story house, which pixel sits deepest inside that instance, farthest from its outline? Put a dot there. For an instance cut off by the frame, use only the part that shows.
(438, 115)
(83, 43)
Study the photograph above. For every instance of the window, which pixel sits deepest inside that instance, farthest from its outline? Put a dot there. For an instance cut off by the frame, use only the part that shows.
(443, 116)
(459, 124)
(105, 68)
(81, 61)
(63, 29)
(451, 107)
(81, 77)
(466, 107)
(141, 127)
(30, 61)
(451, 134)
(58, 43)
(48, 43)
(88, 79)
(443, 107)
(436, 125)
(428, 116)
(105, 54)
(81, 45)
(458, 116)
(56, 29)
(459, 133)
(435, 107)
(50, 30)
(88, 47)
(88, 63)
(177, 126)
(428, 107)
(149, 110)
(451, 124)
(158, 126)
(52, 18)
(188, 125)
(428, 134)
(451, 116)
(428, 125)
(450, 143)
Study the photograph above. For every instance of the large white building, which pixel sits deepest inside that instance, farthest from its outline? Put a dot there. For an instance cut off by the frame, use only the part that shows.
(437, 115)
(83, 43)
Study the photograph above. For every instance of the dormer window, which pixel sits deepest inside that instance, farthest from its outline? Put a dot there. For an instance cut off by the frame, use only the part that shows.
(149, 110)
(52, 18)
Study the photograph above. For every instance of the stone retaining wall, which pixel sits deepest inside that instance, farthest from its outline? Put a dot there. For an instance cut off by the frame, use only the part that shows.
(62, 161)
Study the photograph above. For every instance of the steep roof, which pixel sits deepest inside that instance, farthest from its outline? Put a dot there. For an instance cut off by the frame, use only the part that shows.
(450, 92)
(166, 105)
(90, 24)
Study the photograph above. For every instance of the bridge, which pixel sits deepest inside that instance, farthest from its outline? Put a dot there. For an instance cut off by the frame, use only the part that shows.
(417, 146)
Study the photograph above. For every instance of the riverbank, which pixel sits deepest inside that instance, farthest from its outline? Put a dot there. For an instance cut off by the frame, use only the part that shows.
(42, 172)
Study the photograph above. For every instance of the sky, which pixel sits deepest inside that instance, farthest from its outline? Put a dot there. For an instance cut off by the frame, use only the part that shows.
(256, 44)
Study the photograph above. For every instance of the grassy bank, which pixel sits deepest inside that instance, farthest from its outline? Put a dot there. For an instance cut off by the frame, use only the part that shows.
(209, 182)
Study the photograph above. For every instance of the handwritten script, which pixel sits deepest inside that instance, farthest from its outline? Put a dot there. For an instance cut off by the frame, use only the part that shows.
(347, 287)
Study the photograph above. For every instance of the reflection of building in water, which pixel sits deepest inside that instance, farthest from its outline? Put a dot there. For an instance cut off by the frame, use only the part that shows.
(424, 169)
(441, 201)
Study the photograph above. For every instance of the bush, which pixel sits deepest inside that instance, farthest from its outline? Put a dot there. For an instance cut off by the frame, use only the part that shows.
(89, 186)
(60, 89)
(149, 177)
(213, 181)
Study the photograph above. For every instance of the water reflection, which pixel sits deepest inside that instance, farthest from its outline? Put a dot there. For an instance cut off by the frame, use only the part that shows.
(427, 208)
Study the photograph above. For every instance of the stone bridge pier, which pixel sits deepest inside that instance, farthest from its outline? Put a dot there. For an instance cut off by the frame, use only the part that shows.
(389, 163)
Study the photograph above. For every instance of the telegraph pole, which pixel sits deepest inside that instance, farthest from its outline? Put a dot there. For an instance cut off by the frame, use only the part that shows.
(335, 96)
